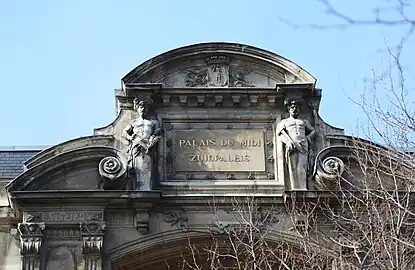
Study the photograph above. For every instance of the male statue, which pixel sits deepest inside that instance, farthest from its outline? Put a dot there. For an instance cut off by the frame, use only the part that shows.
(296, 135)
(142, 134)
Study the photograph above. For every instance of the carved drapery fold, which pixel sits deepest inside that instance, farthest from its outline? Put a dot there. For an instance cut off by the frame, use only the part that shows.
(92, 241)
(31, 237)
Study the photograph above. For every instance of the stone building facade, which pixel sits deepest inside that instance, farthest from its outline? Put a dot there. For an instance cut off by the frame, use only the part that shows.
(205, 121)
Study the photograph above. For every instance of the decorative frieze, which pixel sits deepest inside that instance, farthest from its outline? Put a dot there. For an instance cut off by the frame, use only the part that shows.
(62, 234)
(123, 219)
(63, 217)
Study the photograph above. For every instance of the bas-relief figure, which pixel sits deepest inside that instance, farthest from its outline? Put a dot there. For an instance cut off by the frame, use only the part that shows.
(142, 134)
(296, 135)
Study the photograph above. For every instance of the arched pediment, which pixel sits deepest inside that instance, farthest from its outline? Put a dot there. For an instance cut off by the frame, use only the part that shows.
(75, 169)
(218, 65)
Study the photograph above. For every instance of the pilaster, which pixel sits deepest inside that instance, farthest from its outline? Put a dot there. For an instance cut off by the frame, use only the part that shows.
(92, 240)
(31, 238)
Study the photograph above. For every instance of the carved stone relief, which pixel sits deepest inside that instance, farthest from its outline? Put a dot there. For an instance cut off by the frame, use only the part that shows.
(218, 73)
(296, 136)
(113, 173)
(238, 77)
(93, 236)
(178, 219)
(31, 238)
(328, 172)
(64, 217)
(92, 241)
(196, 77)
(142, 134)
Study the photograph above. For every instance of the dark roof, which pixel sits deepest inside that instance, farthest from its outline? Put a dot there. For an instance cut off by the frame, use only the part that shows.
(12, 158)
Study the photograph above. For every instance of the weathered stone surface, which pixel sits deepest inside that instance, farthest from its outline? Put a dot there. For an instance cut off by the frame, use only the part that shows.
(60, 258)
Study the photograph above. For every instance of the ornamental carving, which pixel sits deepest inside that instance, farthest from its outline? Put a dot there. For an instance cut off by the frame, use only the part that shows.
(112, 171)
(328, 173)
(31, 236)
(296, 136)
(92, 236)
(63, 217)
(218, 73)
(196, 77)
(238, 77)
(178, 219)
(142, 134)
(142, 222)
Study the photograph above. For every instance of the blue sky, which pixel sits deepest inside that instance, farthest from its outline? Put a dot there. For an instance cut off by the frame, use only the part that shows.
(61, 60)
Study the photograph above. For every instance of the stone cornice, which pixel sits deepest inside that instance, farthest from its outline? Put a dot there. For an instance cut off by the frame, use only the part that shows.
(218, 97)
(102, 198)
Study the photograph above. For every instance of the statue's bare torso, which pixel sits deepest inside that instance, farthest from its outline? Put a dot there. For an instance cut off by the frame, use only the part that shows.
(142, 129)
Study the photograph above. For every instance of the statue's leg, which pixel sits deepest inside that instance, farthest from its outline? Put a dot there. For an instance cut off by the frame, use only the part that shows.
(143, 172)
(292, 169)
(302, 166)
(297, 170)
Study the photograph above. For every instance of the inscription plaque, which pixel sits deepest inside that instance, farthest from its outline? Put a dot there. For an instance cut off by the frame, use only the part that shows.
(219, 150)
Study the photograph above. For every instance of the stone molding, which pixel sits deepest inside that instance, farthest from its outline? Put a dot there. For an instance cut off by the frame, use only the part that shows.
(207, 97)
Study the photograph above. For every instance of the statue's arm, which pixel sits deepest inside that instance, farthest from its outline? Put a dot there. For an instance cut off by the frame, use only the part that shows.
(126, 133)
(156, 135)
(310, 131)
(156, 128)
(278, 131)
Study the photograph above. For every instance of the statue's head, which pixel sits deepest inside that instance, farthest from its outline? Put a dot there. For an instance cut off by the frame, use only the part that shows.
(142, 107)
(293, 106)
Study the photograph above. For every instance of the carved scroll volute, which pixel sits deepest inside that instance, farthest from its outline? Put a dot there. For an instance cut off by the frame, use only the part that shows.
(328, 173)
(112, 171)
(92, 242)
(31, 238)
